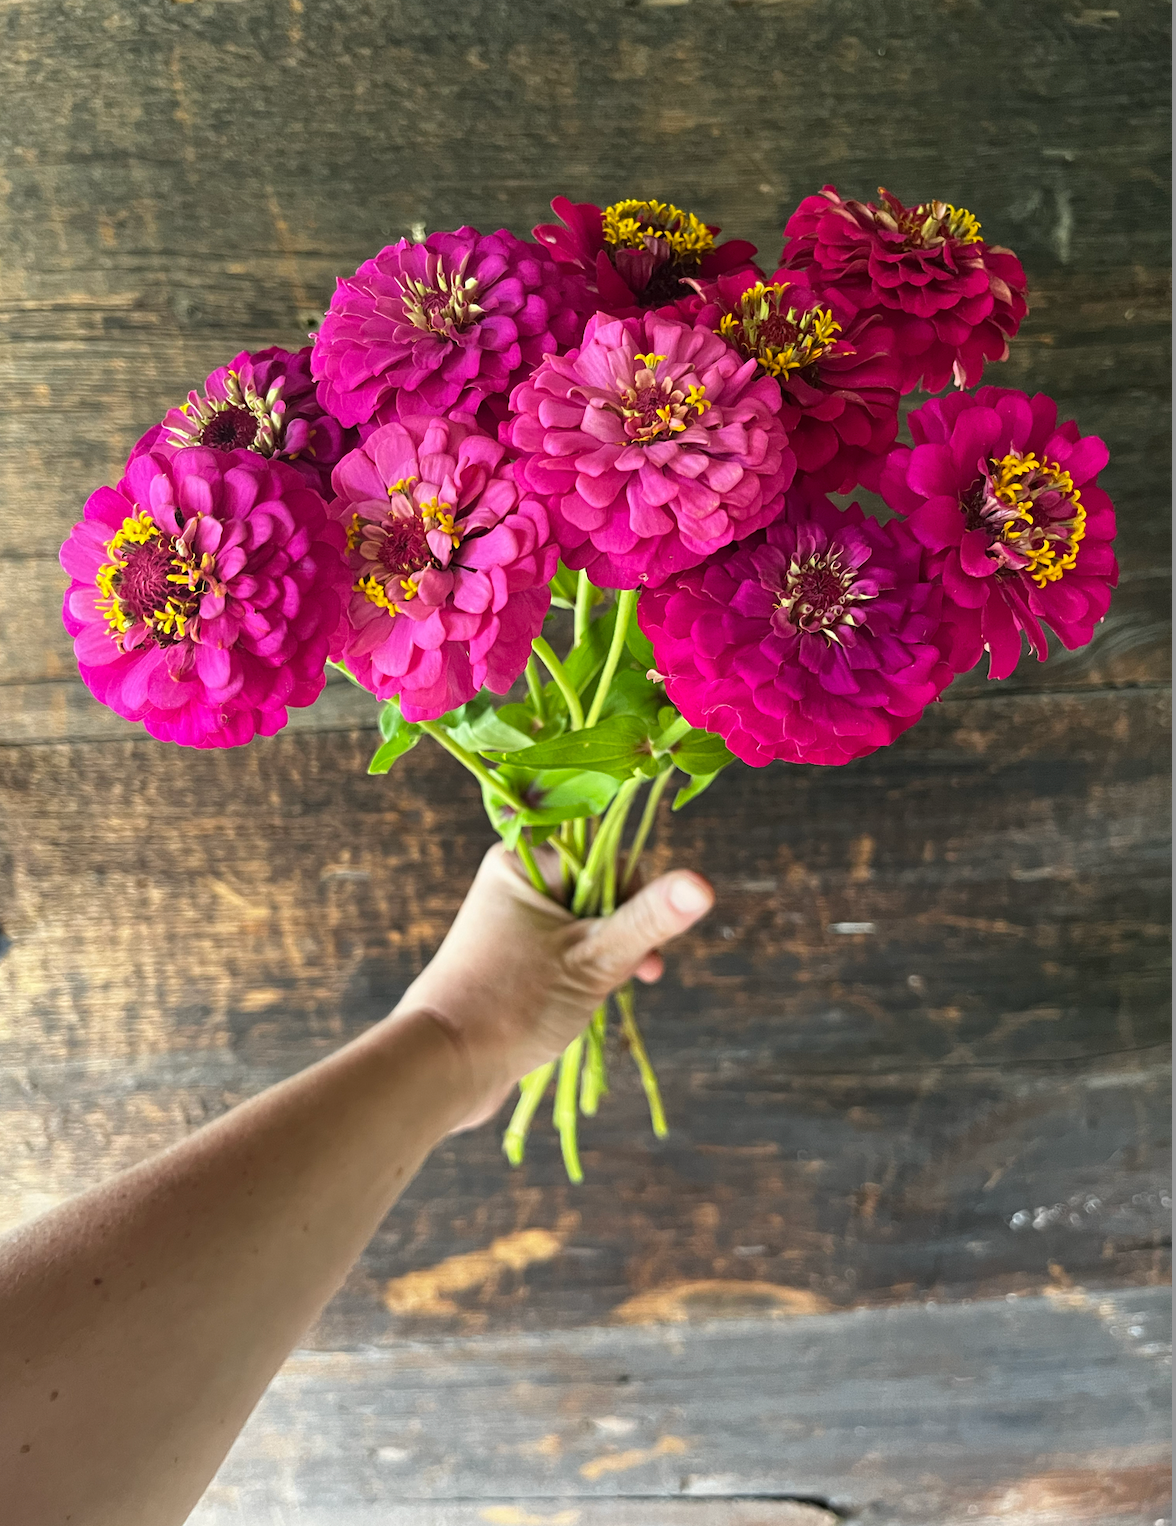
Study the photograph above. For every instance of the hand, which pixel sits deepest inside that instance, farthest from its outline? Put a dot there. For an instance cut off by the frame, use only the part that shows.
(518, 977)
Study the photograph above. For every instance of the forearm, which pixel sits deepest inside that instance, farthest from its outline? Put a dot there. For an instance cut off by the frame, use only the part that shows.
(140, 1323)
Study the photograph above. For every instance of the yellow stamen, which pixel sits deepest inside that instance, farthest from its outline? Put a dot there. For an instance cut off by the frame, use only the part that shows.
(1050, 546)
(696, 398)
(628, 224)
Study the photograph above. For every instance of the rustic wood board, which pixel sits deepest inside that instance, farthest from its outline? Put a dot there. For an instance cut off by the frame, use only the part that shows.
(967, 1102)
(1028, 1410)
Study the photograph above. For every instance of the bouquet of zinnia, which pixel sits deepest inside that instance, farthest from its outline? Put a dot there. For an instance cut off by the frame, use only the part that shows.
(628, 420)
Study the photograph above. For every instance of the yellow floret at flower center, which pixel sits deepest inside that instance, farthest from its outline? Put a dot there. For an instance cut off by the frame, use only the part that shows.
(782, 338)
(395, 551)
(1041, 516)
(654, 409)
(151, 580)
(931, 222)
(628, 224)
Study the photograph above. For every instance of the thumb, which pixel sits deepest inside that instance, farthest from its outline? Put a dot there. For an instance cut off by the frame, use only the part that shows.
(616, 946)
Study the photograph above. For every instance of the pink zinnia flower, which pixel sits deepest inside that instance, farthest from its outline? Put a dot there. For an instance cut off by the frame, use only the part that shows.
(639, 254)
(205, 590)
(653, 445)
(264, 402)
(442, 326)
(818, 640)
(952, 300)
(837, 371)
(449, 561)
(1007, 501)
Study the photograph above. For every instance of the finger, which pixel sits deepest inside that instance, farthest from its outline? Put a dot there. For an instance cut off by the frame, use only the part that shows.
(616, 947)
(651, 968)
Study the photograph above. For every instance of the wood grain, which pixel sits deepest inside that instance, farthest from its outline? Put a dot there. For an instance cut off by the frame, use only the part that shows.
(1026, 1412)
(966, 1102)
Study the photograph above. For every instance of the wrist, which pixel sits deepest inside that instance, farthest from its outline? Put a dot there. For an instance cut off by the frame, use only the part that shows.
(466, 1085)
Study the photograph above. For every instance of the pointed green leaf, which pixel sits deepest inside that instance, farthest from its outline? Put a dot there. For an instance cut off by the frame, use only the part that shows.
(616, 746)
(701, 752)
(387, 752)
(696, 786)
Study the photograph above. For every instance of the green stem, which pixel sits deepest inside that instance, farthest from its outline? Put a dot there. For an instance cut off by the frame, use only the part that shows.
(605, 841)
(671, 736)
(626, 603)
(584, 592)
(475, 765)
(592, 1079)
(531, 1089)
(527, 855)
(657, 1115)
(569, 859)
(645, 825)
(563, 683)
(535, 689)
(564, 1114)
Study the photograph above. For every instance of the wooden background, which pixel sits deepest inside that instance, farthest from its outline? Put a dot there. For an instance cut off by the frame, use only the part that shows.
(899, 1260)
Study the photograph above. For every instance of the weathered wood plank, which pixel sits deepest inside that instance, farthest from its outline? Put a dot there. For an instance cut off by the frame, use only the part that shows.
(1023, 1411)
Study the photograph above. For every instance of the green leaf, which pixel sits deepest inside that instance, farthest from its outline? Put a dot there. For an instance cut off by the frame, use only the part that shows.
(586, 658)
(506, 822)
(488, 732)
(640, 646)
(563, 794)
(387, 752)
(523, 719)
(390, 719)
(616, 746)
(701, 752)
(563, 588)
(696, 786)
(631, 693)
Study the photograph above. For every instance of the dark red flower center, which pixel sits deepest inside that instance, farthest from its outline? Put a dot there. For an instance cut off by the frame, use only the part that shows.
(151, 581)
(637, 233)
(1032, 513)
(440, 303)
(820, 592)
(657, 409)
(404, 548)
(233, 428)
(782, 337)
(929, 225)
(390, 553)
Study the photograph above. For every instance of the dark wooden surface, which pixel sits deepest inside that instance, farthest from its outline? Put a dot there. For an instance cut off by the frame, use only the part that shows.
(966, 1104)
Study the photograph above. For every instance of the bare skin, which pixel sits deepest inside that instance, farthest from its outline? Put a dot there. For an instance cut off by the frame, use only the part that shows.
(141, 1321)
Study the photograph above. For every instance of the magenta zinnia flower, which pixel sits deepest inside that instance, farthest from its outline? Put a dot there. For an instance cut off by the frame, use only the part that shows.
(205, 590)
(442, 326)
(817, 640)
(838, 375)
(653, 445)
(1007, 501)
(639, 254)
(952, 301)
(264, 402)
(450, 565)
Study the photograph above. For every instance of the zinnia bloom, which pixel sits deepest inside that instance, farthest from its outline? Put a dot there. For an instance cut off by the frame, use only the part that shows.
(264, 402)
(952, 300)
(205, 590)
(817, 640)
(653, 445)
(1007, 501)
(449, 562)
(639, 254)
(838, 374)
(442, 326)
